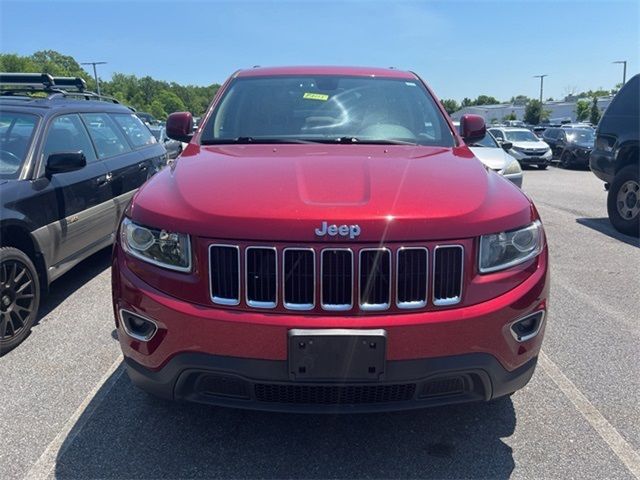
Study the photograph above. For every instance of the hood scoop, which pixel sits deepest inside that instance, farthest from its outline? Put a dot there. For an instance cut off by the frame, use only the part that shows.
(330, 182)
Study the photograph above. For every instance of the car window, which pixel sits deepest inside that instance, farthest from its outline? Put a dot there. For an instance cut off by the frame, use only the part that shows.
(67, 134)
(16, 134)
(521, 136)
(327, 109)
(497, 134)
(551, 133)
(136, 131)
(107, 138)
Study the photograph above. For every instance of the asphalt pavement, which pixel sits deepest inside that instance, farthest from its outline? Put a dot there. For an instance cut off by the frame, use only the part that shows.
(67, 409)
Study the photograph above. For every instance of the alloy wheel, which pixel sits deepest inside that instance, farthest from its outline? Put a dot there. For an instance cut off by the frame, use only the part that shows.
(628, 200)
(17, 297)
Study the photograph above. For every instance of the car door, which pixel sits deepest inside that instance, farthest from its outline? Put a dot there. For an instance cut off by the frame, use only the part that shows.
(122, 162)
(79, 200)
(561, 142)
(152, 155)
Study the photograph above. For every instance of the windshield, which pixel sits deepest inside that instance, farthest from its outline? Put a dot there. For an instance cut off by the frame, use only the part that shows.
(521, 136)
(328, 109)
(582, 135)
(16, 132)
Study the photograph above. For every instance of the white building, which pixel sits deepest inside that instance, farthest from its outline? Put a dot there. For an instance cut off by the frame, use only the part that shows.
(559, 110)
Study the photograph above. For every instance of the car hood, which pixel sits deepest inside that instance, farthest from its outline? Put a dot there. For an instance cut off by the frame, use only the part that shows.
(285, 192)
(535, 145)
(494, 158)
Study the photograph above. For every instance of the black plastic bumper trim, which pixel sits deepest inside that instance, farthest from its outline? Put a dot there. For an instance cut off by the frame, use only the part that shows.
(179, 378)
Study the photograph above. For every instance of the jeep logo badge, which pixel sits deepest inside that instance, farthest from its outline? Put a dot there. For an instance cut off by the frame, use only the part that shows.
(352, 231)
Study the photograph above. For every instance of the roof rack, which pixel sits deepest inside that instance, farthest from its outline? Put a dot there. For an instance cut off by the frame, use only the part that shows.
(54, 87)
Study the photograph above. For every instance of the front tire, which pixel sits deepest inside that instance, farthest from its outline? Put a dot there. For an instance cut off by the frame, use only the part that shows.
(623, 201)
(565, 160)
(19, 297)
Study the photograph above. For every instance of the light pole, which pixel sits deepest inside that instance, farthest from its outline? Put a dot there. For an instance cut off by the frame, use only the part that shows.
(541, 77)
(624, 70)
(95, 73)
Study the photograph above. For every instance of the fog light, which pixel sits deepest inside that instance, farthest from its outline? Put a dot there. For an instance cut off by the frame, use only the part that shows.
(138, 327)
(528, 327)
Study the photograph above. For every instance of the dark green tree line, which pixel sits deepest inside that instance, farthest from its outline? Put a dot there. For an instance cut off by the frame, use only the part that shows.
(157, 97)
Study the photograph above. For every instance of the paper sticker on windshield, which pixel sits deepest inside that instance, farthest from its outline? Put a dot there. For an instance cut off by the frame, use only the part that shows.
(316, 96)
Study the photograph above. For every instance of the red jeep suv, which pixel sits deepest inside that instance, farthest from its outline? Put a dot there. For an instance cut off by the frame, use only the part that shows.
(327, 242)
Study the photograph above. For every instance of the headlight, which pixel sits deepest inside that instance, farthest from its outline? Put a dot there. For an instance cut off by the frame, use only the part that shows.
(512, 169)
(506, 249)
(166, 249)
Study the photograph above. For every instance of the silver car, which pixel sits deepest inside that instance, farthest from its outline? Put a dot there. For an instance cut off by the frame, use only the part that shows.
(489, 152)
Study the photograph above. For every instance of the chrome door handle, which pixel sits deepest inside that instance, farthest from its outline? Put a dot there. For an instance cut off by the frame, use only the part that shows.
(105, 179)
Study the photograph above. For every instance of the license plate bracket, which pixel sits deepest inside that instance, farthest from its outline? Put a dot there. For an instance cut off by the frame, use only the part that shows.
(337, 354)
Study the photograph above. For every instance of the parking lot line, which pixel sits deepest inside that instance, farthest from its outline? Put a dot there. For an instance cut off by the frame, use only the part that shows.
(47, 461)
(609, 434)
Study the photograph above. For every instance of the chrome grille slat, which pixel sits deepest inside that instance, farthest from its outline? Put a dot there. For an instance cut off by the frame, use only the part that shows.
(299, 278)
(412, 277)
(374, 279)
(336, 279)
(261, 277)
(448, 269)
(224, 274)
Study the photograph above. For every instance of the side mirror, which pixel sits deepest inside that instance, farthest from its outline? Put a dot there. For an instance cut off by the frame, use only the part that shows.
(506, 146)
(180, 126)
(472, 128)
(65, 162)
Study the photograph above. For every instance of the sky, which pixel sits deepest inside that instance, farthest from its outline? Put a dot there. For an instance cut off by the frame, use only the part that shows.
(461, 48)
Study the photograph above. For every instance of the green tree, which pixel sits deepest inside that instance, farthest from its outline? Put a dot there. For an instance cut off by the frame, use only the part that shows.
(485, 100)
(170, 102)
(467, 102)
(450, 105)
(594, 115)
(157, 110)
(582, 110)
(509, 116)
(10, 62)
(519, 100)
(533, 112)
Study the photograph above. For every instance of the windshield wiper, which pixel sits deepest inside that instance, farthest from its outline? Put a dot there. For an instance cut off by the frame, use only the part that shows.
(366, 141)
(246, 140)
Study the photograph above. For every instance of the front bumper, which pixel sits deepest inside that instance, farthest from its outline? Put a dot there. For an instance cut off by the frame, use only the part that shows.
(470, 347)
(265, 384)
(525, 159)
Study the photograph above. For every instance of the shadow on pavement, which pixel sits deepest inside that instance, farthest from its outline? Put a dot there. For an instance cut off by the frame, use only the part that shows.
(74, 279)
(603, 225)
(132, 435)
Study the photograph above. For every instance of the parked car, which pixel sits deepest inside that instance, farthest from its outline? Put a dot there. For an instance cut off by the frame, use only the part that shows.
(577, 125)
(148, 118)
(574, 146)
(173, 147)
(69, 163)
(550, 137)
(327, 242)
(526, 147)
(539, 130)
(615, 158)
(495, 157)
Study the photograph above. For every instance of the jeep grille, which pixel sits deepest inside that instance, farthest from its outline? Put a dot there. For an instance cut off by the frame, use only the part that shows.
(332, 279)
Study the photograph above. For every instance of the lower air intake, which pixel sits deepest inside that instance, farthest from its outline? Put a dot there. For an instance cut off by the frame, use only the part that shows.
(334, 394)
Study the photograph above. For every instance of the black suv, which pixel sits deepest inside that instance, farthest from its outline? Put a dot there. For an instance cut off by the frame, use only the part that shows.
(70, 161)
(615, 158)
(572, 146)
